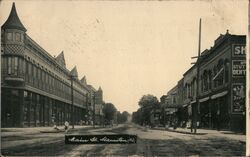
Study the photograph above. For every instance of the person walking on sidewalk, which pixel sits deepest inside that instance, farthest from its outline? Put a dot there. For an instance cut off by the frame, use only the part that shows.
(66, 126)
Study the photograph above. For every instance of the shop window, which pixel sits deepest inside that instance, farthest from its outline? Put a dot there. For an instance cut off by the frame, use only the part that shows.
(33, 108)
(38, 110)
(26, 107)
(32, 114)
(14, 92)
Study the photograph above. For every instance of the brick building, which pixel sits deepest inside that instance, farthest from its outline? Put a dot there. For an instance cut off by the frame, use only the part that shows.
(222, 85)
(37, 87)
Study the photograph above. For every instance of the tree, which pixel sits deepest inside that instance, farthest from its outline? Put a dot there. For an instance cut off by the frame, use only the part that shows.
(122, 117)
(109, 111)
(147, 103)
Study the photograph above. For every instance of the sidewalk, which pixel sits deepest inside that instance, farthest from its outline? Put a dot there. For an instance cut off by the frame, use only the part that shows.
(227, 134)
(198, 132)
(36, 130)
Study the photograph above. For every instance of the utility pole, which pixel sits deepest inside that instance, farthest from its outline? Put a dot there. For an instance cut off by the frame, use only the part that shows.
(197, 104)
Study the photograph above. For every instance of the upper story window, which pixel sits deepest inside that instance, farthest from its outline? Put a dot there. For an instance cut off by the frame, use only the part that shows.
(209, 79)
(15, 65)
(9, 36)
(226, 65)
(29, 68)
(9, 65)
(12, 65)
(174, 100)
(218, 74)
(206, 80)
(18, 37)
(2, 49)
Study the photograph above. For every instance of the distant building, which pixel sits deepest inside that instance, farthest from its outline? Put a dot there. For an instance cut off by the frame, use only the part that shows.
(169, 106)
(91, 102)
(189, 93)
(99, 106)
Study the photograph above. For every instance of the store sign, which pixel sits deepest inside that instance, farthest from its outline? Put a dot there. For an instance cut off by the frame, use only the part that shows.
(238, 98)
(239, 50)
(238, 68)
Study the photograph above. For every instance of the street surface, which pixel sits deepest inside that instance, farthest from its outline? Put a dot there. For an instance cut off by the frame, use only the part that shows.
(149, 143)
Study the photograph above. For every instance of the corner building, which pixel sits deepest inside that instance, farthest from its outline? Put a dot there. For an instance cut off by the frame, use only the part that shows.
(223, 84)
(36, 87)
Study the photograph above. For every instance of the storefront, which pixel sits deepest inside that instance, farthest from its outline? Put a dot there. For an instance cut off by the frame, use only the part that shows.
(21, 108)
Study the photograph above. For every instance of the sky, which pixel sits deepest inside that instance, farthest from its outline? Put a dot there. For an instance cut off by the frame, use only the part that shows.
(129, 48)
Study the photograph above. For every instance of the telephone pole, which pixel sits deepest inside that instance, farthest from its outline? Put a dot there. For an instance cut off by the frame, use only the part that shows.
(197, 104)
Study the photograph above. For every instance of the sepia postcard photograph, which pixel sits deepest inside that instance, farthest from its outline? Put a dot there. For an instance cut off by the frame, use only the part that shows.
(125, 78)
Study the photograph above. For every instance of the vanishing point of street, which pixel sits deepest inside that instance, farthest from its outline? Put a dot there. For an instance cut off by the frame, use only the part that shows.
(150, 142)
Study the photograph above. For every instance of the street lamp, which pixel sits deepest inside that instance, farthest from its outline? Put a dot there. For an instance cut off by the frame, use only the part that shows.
(72, 77)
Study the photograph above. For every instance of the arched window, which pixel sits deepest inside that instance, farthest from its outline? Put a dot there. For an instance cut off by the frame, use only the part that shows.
(186, 91)
(202, 83)
(214, 75)
(220, 73)
(209, 79)
(205, 80)
(226, 67)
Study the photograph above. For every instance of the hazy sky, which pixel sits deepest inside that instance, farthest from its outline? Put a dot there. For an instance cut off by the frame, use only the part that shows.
(129, 48)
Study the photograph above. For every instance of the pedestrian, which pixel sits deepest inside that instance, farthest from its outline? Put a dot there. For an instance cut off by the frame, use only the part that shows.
(66, 126)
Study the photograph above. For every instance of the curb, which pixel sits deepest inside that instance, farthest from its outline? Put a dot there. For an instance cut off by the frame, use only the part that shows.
(182, 132)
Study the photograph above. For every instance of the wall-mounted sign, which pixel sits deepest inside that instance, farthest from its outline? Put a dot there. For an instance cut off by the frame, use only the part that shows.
(238, 98)
(239, 68)
(239, 50)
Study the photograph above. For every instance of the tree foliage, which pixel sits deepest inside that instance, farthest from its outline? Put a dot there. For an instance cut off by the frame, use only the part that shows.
(147, 103)
(122, 117)
(109, 111)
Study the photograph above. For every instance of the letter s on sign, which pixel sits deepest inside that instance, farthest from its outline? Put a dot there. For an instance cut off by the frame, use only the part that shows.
(237, 50)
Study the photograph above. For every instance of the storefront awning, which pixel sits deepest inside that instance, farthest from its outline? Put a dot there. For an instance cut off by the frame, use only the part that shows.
(185, 105)
(204, 99)
(219, 95)
(192, 102)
